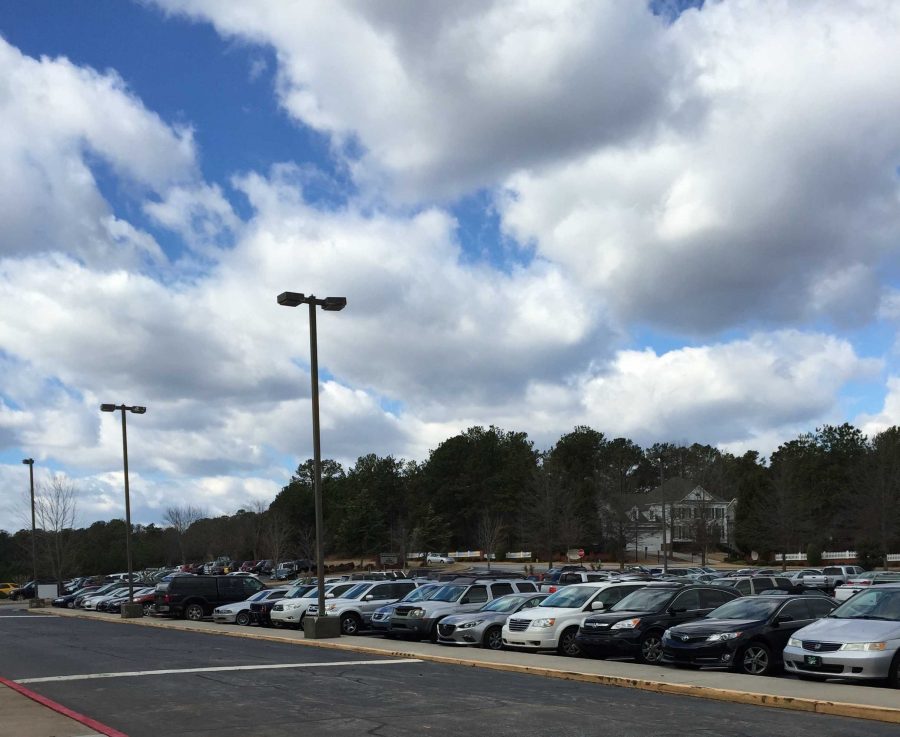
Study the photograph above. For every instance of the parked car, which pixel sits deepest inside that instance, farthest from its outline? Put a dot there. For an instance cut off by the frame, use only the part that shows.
(261, 608)
(420, 620)
(746, 635)
(248, 566)
(28, 590)
(553, 624)
(92, 601)
(239, 611)
(799, 578)
(356, 607)
(567, 578)
(114, 604)
(634, 626)
(860, 640)
(381, 617)
(751, 585)
(485, 627)
(289, 612)
(195, 597)
(862, 581)
(104, 589)
(68, 600)
(833, 576)
(437, 558)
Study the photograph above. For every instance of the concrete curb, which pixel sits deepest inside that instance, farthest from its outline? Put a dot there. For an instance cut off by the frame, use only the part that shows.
(816, 706)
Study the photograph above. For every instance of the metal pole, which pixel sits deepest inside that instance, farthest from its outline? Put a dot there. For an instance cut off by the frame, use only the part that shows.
(33, 528)
(127, 508)
(317, 456)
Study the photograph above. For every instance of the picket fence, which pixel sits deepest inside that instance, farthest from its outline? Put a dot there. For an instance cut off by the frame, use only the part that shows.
(832, 555)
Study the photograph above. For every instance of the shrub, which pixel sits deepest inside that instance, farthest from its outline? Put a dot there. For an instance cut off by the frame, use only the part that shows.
(813, 554)
(869, 555)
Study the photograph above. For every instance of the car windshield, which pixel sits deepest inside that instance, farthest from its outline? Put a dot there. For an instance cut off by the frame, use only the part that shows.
(570, 597)
(448, 593)
(258, 595)
(724, 582)
(421, 594)
(874, 604)
(643, 600)
(297, 591)
(503, 604)
(747, 607)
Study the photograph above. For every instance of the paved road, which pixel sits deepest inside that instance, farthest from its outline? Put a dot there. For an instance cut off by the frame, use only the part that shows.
(273, 689)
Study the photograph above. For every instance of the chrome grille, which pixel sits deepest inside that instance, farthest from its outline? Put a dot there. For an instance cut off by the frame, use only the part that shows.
(446, 629)
(821, 647)
(518, 625)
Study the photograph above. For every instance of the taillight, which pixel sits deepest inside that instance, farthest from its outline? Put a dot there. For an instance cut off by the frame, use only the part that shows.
(166, 599)
(553, 589)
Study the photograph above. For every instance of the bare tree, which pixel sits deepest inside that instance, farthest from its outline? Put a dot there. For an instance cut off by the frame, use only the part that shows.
(278, 533)
(55, 507)
(180, 519)
(490, 531)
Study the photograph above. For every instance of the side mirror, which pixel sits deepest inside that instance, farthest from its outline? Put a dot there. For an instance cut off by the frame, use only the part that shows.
(368, 597)
(597, 605)
(676, 610)
(783, 618)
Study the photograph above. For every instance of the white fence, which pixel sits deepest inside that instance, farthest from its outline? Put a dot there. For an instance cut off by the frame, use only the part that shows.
(832, 555)
(464, 554)
(473, 554)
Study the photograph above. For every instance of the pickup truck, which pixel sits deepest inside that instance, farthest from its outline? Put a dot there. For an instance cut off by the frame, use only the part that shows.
(831, 577)
(565, 578)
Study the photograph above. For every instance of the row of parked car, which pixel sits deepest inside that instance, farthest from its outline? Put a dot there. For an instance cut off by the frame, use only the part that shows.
(751, 623)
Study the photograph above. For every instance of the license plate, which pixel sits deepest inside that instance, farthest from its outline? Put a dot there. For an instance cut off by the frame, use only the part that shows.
(812, 660)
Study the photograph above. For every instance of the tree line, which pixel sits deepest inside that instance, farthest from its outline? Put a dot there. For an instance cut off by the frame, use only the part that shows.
(490, 489)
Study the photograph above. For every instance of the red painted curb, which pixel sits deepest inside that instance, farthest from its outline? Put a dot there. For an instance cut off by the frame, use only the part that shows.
(65, 711)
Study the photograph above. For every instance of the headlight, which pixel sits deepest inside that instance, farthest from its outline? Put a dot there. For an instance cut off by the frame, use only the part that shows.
(417, 613)
(292, 606)
(867, 646)
(330, 607)
(794, 642)
(667, 634)
(469, 625)
(543, 622)
(723, 636)
(626, 624)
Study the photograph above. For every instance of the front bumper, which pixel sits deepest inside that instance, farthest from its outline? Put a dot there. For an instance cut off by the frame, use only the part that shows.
(625, 642)
(287, 616)
(224, 617)
(719, 653)
(453, 635)
(531, 639)
(411, 626)
(840, 664)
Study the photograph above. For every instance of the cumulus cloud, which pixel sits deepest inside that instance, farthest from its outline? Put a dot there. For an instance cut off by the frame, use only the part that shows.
(776, 205)
(445, 97)
(57, 121)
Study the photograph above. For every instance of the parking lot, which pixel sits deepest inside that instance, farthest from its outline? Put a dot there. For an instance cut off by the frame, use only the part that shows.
(145, 680)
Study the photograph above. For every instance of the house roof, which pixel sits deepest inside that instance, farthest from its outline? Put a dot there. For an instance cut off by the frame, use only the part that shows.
(674, 490)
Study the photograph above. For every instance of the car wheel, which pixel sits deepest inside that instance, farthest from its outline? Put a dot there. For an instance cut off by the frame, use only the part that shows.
(651, 649)
(755, 660)
(493, 639)
(148, 609)
(70, 605)
(242, 618)
(193, 612)
(567, 645)
(350, 624)
(894, 673)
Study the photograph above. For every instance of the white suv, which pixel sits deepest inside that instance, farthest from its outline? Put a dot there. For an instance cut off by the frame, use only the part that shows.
(290, 612)
(553, 624)
(356, 607)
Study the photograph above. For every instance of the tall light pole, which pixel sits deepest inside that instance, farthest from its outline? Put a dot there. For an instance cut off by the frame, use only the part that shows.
(331, 304)
(30, 463)
(128, 610)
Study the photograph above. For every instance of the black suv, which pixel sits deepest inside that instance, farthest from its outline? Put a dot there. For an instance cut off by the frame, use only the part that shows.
(195, 597)
(634, 626)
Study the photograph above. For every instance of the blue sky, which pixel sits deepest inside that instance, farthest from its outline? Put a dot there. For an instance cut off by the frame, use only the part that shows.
(672, 222)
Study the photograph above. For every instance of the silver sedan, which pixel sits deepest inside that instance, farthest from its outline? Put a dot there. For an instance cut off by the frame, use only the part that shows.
(485, 626)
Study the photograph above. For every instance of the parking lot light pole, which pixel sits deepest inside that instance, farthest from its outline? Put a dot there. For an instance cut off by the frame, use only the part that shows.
(128, 610)
(325, 628)
(30, 463)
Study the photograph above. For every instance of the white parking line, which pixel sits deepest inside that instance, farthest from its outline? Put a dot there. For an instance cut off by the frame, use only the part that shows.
(216, 669)
(35, 617)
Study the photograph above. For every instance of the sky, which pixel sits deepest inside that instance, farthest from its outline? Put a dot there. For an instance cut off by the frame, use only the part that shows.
(671, 221)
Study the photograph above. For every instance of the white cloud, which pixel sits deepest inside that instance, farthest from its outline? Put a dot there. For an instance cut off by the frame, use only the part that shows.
(450, 96)
(56, 121)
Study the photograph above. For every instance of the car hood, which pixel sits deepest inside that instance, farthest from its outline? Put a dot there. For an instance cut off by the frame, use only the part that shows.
(609, 617)
(542, 612)
(832, 629)
(489, 617)
(715, 625)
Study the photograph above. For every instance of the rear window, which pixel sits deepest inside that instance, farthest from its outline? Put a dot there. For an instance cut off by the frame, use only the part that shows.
(833, 571)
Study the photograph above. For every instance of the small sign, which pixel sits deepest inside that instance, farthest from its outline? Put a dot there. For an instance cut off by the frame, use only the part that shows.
(581, 553)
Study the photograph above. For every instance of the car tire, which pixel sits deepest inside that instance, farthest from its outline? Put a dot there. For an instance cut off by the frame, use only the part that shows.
(493, 639)
(242, 618)
(148, 609)
(754, 660)
(193, 612)
(650, 650)
(567, 645)
(894, 672)
(350, 624)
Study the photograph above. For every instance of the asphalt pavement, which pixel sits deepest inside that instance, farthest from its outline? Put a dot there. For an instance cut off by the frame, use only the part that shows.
(152, 680)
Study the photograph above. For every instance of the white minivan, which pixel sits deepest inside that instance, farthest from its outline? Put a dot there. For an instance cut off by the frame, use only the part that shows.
(553, 624)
